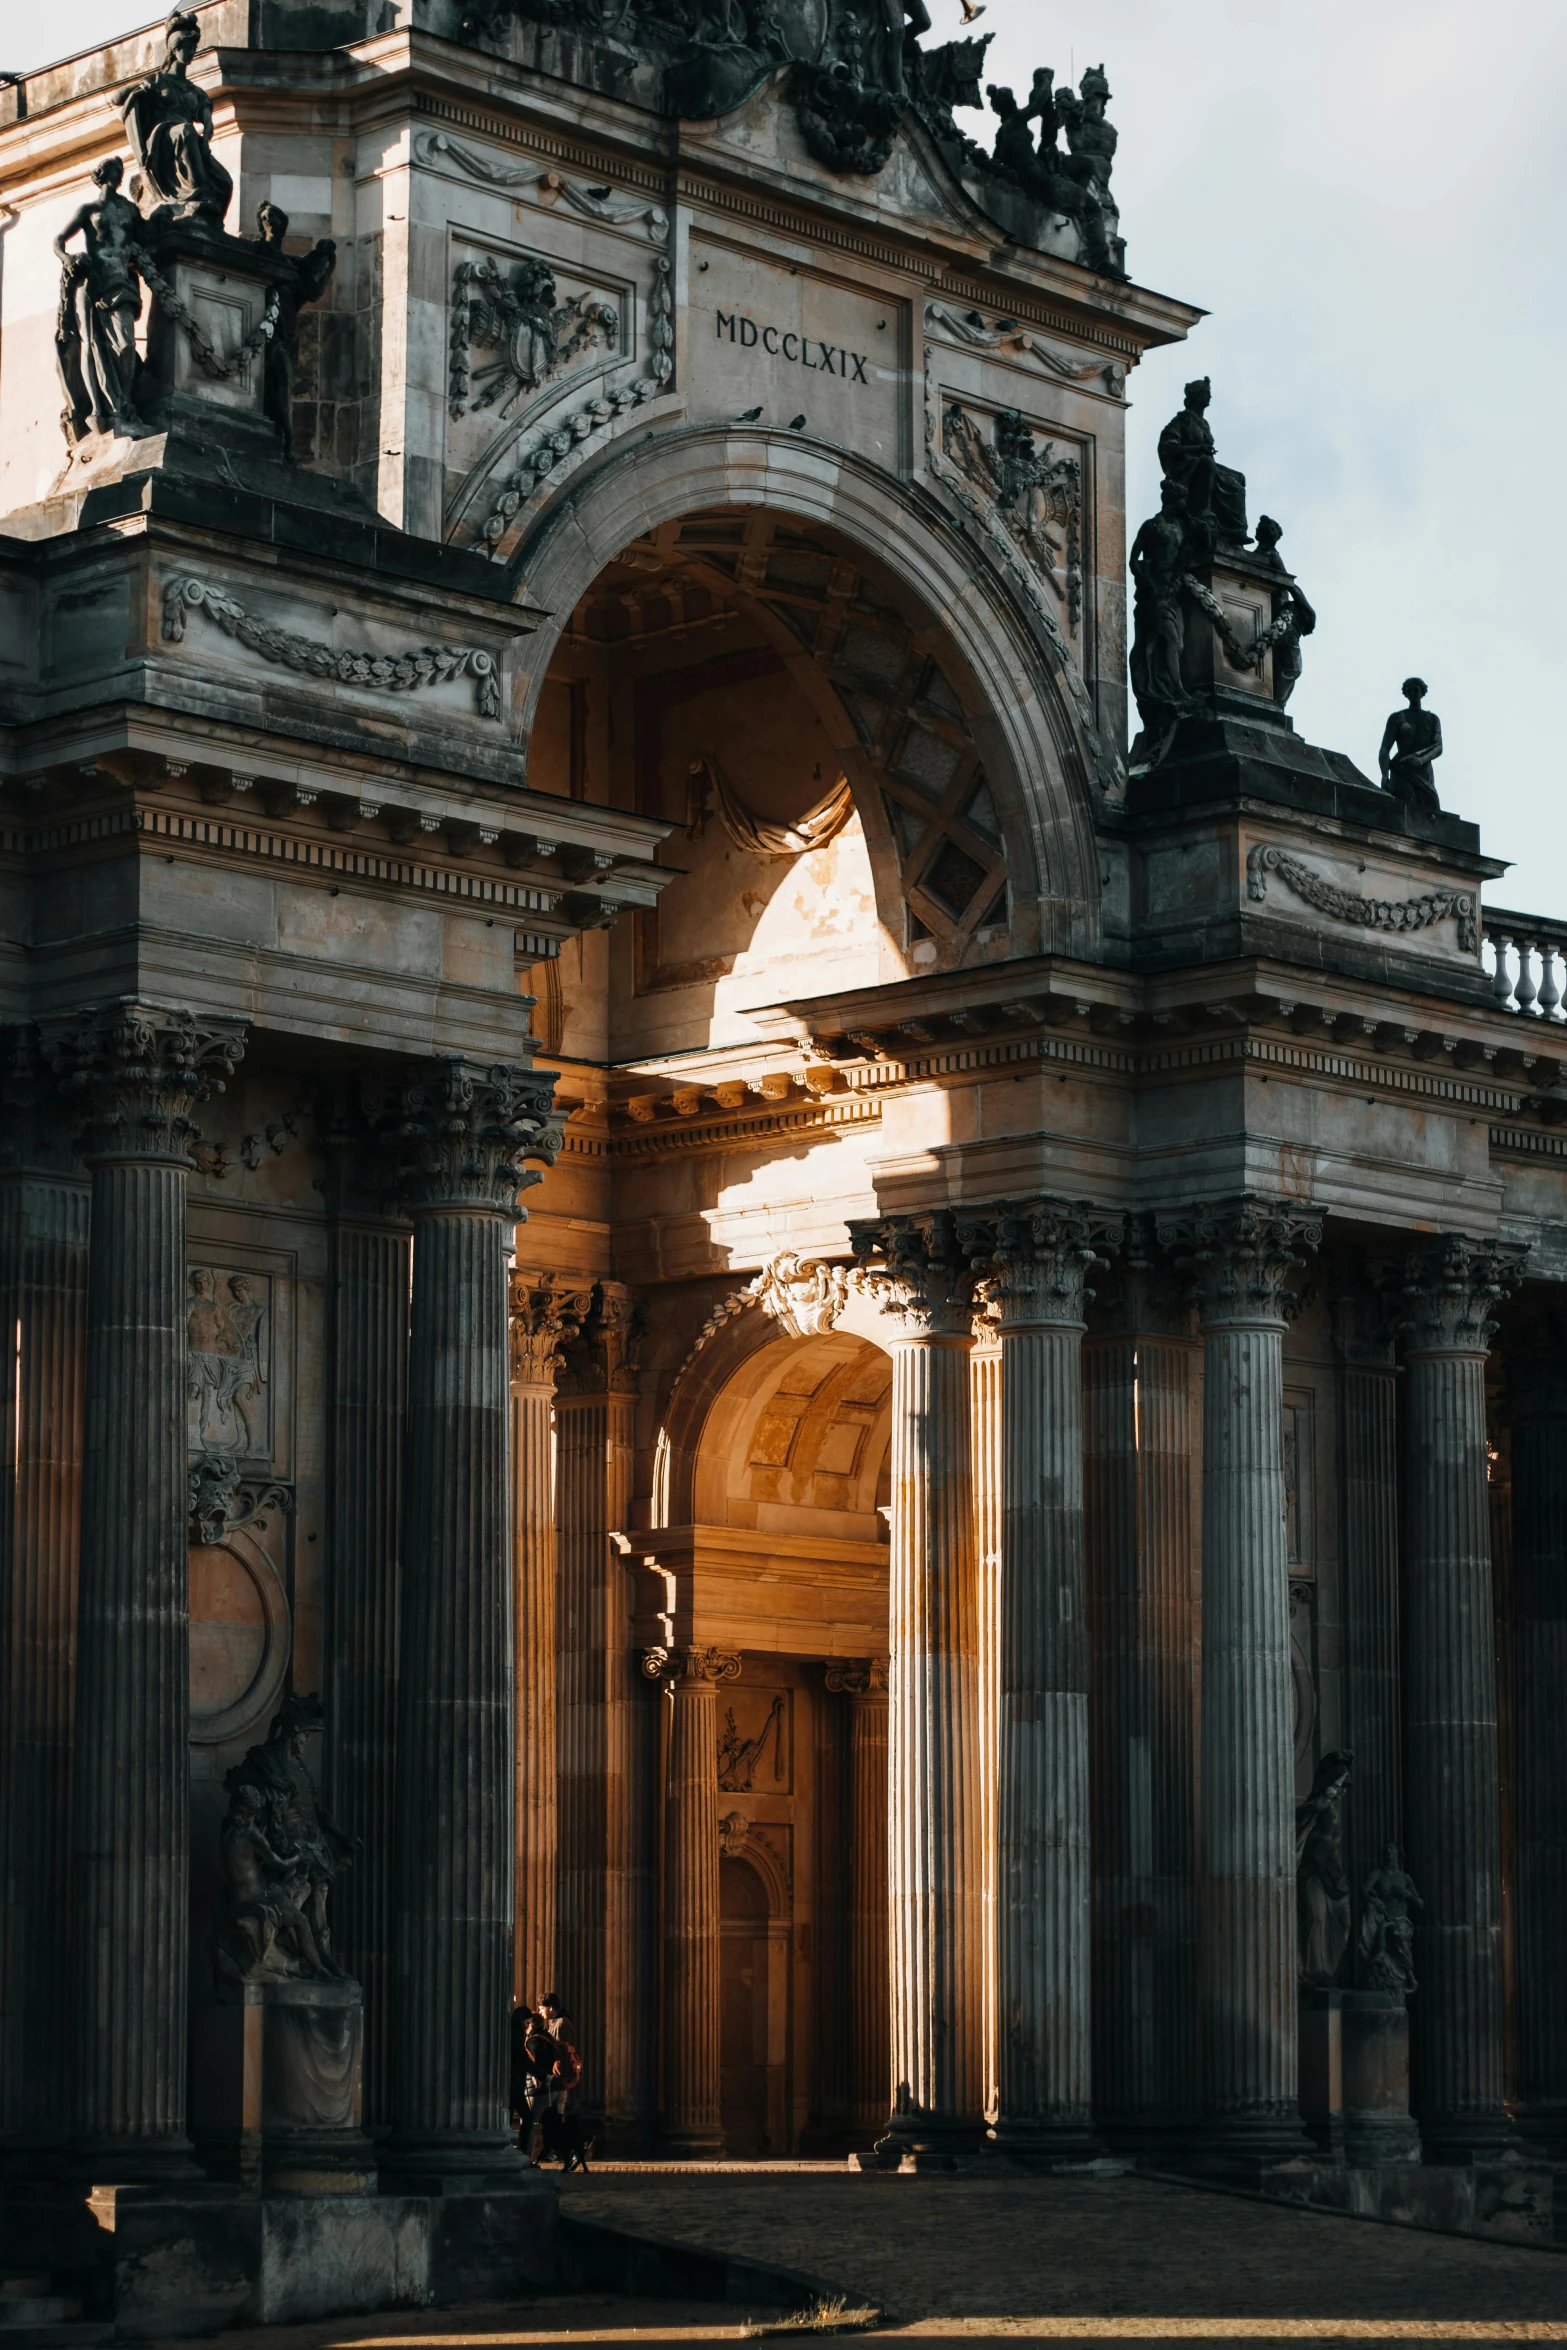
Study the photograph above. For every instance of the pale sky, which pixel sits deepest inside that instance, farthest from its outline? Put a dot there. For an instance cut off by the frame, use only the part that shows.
(1370, 198)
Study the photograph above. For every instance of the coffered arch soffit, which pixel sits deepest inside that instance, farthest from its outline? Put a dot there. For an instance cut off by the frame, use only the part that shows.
(935, 625)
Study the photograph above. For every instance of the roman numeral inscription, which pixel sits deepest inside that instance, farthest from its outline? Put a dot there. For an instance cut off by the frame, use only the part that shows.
(821, 358)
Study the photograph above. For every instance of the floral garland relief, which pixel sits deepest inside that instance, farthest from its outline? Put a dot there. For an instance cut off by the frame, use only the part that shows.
(390, 673)
(1367, 913)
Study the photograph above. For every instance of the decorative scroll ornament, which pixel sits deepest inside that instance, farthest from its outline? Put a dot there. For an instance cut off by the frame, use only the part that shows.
(516, 313)
(689, 1664)
(1367, 913)
(968, 327)
(858, 1677)
(755, 834)
(734, 1830)
(220, 1498)
(1037, 494)
(387, 673)
(802, 1295)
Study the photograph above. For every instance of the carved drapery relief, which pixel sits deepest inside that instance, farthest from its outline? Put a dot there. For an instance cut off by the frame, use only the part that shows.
(606, 205)
(1037, 495)
(1318, 890)
(387, 673)
(969, 328)
(227, 1382)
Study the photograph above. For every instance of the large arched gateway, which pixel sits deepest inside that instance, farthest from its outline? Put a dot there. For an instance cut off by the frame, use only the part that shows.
(712, 1305)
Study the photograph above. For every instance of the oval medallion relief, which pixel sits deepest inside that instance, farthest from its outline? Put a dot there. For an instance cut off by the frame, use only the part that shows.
(239, 1636)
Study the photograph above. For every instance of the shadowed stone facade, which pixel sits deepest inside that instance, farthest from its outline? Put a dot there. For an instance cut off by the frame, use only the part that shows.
(845, 1324)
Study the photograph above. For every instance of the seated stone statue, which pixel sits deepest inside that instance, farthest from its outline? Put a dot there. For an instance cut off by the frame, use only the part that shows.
(100, 302)
(1321, 1884)
(1387, 1931)
(1214, 492)
(168, 119)
(1411, 740)
(280, 1847)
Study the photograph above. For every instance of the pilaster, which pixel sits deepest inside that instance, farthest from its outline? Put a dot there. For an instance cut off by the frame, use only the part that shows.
(43, 1288)
(1368, 1522)
(1537, 1395)
(1033, 1257)
(1238, 1257)
(1140, 1445)
(865, 1684)
(135, 1072)
(918, 1271)
(462, 1134)
(595, 1405)
(1444, 1298)
(985, 1413)
(690, 2119)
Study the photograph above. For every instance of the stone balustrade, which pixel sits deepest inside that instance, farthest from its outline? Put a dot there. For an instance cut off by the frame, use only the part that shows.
(1526, 960)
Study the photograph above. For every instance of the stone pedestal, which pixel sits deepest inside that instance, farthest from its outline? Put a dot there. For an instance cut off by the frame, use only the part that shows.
(1034, 1257)
(137, 1072)
(690, 2120)
(1444, 1297)
(463, 1134)
(1239, 1256)
(276, 2102)
(1378, 2130)
(921, 1276)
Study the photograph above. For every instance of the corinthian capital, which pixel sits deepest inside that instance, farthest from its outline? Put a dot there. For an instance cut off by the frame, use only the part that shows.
(862, 1676)
(461, 1132)
(689, 1664)
(1237, 1255)
(1033, 1257)
(136, 1071)
(1442, 1297)
(601, 1358)
(543, 1320)
(918, 1272)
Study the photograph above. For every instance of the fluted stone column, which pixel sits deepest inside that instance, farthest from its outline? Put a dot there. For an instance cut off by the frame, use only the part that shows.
(1239, 1256)
(135, 1072)
(1368, 1545)
(690, 2120)
(367, 1398)
(43, 1290)
(1035, 1255)
(917, 1268)
(869, 2033)
(1141, 1528)
(1537, 1392)
(465, 1132)
(1445, 1296)
(542, 1320)
(985, 1422)
(596, 1958)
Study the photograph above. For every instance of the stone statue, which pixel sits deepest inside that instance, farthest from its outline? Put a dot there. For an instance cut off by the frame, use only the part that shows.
(1321, 1885)
(281, 1854)
(1289, 605)
(100, 302)
(308, 278)
(1387, 1931)
(1215, 493)
(1158, 568)
(1411, 741)
(168, 119)
(1091, 143)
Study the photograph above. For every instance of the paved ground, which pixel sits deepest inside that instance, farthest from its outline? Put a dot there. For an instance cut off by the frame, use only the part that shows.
(931, 2251)
(968, 2260)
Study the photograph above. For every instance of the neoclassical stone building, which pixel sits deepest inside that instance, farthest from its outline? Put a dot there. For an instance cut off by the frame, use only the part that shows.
(845, 1328)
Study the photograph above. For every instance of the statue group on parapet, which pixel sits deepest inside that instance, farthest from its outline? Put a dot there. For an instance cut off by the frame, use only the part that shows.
(282, 1854)
(1202, 511)
(182, 184)
(1388, 1898)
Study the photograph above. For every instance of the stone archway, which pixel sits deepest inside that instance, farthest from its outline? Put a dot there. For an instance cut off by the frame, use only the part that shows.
(1015, 695)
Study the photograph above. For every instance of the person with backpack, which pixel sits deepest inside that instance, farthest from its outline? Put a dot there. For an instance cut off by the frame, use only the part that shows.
(565, 2074)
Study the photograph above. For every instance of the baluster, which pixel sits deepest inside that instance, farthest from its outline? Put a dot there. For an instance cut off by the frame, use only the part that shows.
(1550, 986)
(1501, 977)
(1525, 989)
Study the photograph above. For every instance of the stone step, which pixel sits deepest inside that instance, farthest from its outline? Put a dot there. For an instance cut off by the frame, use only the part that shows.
(80, 2334)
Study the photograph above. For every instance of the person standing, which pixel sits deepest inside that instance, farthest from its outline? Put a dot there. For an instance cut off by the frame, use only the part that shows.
(565, 2071)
